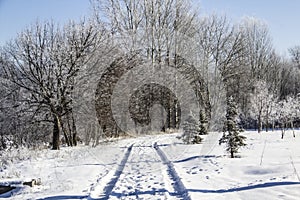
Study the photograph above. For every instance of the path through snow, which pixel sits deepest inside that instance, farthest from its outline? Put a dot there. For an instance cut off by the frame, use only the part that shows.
(144, 173)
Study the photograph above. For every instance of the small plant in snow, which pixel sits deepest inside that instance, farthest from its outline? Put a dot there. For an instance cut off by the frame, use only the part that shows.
(191, 131)
(231, 136)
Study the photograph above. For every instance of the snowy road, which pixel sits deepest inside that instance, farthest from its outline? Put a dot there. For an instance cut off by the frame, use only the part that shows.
(160, 167)
(143, 173)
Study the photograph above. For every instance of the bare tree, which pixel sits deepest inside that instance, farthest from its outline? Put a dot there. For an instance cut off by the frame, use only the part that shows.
(295, 55)
(161, 31)
(258, 46)
(288, 80)
(219, 49)
(44, 60)
(19, 124)
(153, 27)
(295, 58)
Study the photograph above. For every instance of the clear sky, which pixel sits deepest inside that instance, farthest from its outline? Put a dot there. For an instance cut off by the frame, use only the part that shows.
(15, 15)
(282, 16)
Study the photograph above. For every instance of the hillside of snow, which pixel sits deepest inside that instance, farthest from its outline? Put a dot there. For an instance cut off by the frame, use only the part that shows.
(159, 167)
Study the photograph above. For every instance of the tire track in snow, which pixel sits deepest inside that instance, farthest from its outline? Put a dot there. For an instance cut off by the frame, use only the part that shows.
(111, 184)
(142, 177)
(263, 152)
(179, 187)
(295, 170)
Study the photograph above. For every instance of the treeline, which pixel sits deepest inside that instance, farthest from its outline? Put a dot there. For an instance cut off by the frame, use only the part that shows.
(49, 73)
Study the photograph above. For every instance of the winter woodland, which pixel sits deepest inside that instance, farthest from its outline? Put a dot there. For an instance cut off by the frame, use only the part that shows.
(59, 82)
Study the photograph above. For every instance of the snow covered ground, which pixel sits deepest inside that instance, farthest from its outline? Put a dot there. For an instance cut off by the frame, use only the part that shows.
(161, 167)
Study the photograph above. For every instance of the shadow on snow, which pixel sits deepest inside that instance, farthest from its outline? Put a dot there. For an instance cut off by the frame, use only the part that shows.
(154, 192)
(64, 197)
(193, 158)
(245, 188)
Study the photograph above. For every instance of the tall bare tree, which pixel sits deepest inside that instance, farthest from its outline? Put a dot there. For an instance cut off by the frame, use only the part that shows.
(219, 50)
(295, 57)
(44, 60)
(161, 31)
(258, 46)
(153, 27)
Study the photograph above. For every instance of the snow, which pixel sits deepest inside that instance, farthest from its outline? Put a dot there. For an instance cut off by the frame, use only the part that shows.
(161, 167)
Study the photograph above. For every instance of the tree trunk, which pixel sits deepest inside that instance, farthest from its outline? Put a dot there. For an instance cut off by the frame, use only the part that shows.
(65, 132)
(259, 125)
(56, 134)
(282, 130)
(267, 123)
(178, 116)
(292, 126)
(74, 130)
(70, 130)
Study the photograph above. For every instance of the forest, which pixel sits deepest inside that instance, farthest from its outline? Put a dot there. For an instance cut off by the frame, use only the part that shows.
(133, 67)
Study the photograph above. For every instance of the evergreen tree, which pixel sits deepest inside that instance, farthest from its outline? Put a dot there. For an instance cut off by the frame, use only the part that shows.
(191, 131)
(231, 135)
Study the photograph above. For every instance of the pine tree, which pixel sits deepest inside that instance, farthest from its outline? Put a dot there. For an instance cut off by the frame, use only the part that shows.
(231, 135)
(191, 131)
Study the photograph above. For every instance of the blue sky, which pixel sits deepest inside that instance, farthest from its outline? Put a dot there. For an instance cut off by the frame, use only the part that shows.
(282, 16)
(15, 15)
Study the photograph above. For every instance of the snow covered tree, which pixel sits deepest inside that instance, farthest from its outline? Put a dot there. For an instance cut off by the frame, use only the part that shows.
(261, 104)
(191, 131)
(295, 54)
(273, 114)
(287, 111)
(161, 31)
(231, 135)
(269, 111)
(44, 60)
(20, 125)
